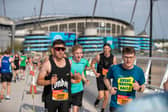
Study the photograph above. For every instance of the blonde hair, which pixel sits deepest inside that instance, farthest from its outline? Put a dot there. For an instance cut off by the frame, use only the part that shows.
(75, 47)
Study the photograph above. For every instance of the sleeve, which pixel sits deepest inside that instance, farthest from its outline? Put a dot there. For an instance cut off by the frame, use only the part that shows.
(142, 77)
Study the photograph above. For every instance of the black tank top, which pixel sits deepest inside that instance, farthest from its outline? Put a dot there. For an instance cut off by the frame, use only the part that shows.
(16, 60)
(105, 62)
(63, 82)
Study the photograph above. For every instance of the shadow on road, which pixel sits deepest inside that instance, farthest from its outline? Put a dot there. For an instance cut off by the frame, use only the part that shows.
(31, 108)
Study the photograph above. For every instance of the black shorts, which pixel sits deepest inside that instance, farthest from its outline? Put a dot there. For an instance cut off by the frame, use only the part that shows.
(76, 99)
(17, 67)
(100, 83)
(23, 67)
(56, 106)
(6, 77)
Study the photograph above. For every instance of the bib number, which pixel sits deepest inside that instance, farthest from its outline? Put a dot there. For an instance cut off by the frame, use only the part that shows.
(104, 71)
(59, 95)
(122, 100)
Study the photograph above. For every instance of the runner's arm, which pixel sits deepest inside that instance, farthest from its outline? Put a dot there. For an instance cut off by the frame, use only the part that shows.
(46, 67)
(12, 63)
(114, 60)
(83, 77)
(112, 90)
(107, 83)
(94, 61)
(142, 88)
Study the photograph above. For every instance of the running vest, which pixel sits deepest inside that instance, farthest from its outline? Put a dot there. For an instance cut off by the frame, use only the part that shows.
(62, 87)
(104, 64)
(5, 65)
(16, 61)
(23, 61)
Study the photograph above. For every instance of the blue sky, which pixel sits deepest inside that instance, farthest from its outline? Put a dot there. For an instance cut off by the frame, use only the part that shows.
(121, 9)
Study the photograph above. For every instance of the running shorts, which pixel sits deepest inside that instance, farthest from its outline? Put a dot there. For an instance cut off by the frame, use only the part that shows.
(6, 77)
(56, 106)
(100, 83)
(23, 67)
(76, 99)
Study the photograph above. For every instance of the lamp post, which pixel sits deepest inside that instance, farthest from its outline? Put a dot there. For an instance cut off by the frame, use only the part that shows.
(150, 44)
(13, 39)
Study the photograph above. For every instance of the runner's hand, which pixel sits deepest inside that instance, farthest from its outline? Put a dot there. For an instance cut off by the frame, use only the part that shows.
(76, 78)
(54, 79)
(97, 74)
(113, 90)
(136, 86)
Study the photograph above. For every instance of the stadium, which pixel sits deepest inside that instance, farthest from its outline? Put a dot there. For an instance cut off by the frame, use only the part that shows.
(90, 32)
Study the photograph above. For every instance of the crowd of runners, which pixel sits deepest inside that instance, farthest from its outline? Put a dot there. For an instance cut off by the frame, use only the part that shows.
(12, 70)
(64, 78)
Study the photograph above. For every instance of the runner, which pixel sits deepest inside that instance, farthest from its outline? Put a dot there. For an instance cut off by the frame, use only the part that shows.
(104, 61)
(17, 64)
(127, 79)
(55, 77)
(23, 65)
(78, 65)
(6, 77)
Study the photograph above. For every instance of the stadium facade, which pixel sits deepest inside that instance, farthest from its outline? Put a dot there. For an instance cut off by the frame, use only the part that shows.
(6, 25)
(91, 32)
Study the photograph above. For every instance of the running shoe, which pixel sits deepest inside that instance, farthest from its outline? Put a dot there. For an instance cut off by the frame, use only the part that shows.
(96, 104)
(7, 97)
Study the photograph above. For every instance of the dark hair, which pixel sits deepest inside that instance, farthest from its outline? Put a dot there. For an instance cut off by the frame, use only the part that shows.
(128, 50)
(58, 41)
(106, 44)
(7, 51)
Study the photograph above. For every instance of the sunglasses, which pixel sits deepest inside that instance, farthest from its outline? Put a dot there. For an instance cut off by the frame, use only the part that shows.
(60, 48)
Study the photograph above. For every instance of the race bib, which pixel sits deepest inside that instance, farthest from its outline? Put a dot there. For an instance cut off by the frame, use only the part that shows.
(59, 95)
(104, 71)
(122, 100)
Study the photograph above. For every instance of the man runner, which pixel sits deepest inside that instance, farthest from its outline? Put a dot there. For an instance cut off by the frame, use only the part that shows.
(55, 77)
(6, 78)
(127, 79)
(23, 65)
(78, 65)
(104, 61)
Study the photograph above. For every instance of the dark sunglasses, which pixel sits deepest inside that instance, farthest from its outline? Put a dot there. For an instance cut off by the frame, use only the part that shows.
(60, 48)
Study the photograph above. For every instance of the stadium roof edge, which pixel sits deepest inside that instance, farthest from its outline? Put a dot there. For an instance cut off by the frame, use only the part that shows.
(6, 21)
(29, 20)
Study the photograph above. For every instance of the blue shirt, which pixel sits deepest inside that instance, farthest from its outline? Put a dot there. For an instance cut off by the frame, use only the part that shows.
(5, 65)
(123, 79)
(79, 67)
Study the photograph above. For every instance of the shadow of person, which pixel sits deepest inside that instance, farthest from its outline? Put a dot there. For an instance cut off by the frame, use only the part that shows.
(31, 108)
